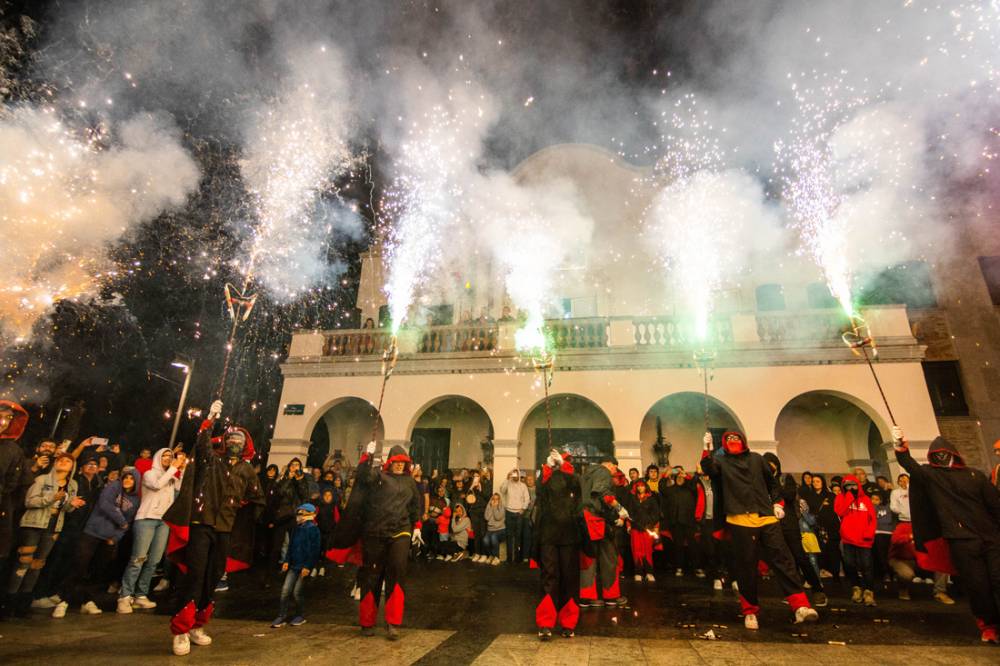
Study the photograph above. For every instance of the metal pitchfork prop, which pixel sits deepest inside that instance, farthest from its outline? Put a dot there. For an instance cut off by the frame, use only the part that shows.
(545, 361)
(240, 305)
(859, 340)
(389, 356)
(704, 359)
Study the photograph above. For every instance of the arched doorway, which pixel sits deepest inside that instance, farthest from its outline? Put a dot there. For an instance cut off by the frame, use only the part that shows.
(578, 426)
(828, 432)
(450, 433)
(348, 427)
(677, 422)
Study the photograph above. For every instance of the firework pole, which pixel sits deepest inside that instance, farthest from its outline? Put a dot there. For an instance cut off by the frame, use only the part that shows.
(545, 362)
(704, 359)
(859, 339)
(389, 356)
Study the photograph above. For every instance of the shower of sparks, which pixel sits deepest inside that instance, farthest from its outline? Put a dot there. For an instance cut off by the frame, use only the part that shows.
(64, 195)
(425, 200)
(699, 214)
(296, 148)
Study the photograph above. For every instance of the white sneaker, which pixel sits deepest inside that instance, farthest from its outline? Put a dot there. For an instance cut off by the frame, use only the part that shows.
(60, 610)
(182, 645)
(806, 586)
(736, 587)
(698, 573)
(477, 558)
(162, 586)
(805, 614)
(143, 602)
(638, 578)
(496, 561)
(650, 578)
(679, 573)
(322, 572)
(312, 574)
(45, 603)
(124, 605)
(115, 587)
(90, 608)
(717, 585)
(356, 595)
(750, 622)
(199, 637)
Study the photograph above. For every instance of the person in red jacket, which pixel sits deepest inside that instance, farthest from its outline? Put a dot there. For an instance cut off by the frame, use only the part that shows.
(857, 535)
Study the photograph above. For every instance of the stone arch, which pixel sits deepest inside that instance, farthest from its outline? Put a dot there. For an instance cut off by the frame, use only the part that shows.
(828, 431)
(349, 424)
(466, 420)
(577, 422)
(682, 416)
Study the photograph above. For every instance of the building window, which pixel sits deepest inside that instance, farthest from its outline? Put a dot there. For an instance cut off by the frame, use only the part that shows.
(991, 273)
(384, 317)
(819, 296)
(907, 284)
(770, 297)
(944, 383)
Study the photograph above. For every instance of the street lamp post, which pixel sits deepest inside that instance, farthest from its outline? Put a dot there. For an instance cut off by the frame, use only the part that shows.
(188, 367)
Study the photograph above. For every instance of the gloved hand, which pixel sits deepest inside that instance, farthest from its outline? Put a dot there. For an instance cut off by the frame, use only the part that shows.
(779, 511)
(554, 460)
(708, 441)
(215, 411)
(623, 513)
(370, 449)
(418, 539)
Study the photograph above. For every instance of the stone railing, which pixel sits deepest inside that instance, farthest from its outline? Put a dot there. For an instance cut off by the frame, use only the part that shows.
(669, 332)
(801, 326)
(589, 333)
(462, 338)
(356, 342)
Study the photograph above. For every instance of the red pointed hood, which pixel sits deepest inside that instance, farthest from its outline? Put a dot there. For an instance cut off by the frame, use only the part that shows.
(398, 454)
(248, 448)
(18, 423)
(734, 449)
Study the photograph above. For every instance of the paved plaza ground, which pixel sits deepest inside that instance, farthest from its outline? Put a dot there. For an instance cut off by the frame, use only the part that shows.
(468, 613)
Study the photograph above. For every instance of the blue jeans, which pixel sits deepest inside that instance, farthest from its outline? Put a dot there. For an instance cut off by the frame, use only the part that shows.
(291, 591)
(492, 542)
(149, 540)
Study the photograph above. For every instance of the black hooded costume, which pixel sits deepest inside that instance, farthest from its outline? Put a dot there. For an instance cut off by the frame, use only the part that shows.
(951, 503)
(383, 511)
(750, 492)
(558, 536)
(211, 519)
(11, 469)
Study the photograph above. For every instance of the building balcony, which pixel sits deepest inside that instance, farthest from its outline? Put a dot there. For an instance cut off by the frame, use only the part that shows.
(738, 339)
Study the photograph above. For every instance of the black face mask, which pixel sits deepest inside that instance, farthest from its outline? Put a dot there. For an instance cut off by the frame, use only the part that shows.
(234, 447)
(940, 458)
(851, 488)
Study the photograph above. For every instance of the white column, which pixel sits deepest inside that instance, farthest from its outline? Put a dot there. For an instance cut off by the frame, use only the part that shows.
(283, 450)
(505, 458)
(629, 454)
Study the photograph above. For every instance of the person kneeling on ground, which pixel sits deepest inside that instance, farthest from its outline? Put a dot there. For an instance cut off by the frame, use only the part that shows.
(300, 559)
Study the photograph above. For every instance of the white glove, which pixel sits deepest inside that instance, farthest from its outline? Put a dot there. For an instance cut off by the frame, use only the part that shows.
(215, 411)
(418, 539)
(779, 511)
(370, 449)
(623, 513)
(554, 459)
(897, 434)
(708, 441)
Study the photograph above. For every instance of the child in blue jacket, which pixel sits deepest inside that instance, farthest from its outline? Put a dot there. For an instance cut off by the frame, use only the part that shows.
(301, 557)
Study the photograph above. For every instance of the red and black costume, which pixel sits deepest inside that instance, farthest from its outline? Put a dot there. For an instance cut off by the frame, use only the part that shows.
(558, 533)
(958, 506)
(11, 469)
(749, 493)
(206, 520)
(384, 510)
(645, 512)
(600, 564)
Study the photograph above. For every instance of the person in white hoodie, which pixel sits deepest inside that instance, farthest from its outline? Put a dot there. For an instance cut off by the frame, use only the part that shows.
(150, 533)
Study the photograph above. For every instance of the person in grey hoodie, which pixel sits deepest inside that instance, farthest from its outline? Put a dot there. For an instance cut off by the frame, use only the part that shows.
(149, 533)
(495, 529)
(460, 526)
(48, 500)
(516, 502)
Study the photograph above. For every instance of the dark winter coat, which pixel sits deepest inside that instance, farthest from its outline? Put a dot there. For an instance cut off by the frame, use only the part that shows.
(289, 493)
(747, 483)
(558, 500)
(11, 471)
(304, 547)
(393, 503)
(645, 511)
(115, 510)
(954, 502)
(679, 504)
